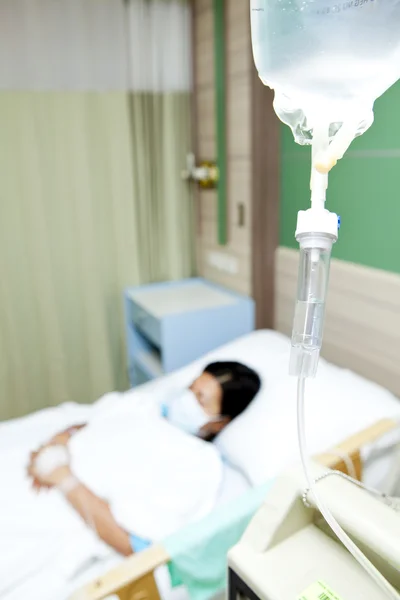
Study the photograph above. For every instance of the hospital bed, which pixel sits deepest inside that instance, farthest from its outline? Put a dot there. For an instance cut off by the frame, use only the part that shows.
(255, 447)
(135, 577)
(343, 406)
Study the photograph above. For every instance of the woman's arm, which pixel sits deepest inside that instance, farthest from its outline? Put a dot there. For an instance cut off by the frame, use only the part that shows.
(93, 510)
(96, 513)
(64, 436)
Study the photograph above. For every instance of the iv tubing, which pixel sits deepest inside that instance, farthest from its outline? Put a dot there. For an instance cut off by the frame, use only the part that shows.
(324, 510)
(319, 181)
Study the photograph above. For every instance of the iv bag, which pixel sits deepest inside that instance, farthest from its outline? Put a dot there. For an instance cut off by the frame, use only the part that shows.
(327, 60)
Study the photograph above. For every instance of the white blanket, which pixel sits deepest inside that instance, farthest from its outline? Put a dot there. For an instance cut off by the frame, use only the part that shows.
(155, 477)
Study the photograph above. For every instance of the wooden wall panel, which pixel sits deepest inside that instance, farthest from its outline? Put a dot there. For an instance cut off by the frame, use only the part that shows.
(238, 38)
(201, 5)
(238, 89)
(238, 116)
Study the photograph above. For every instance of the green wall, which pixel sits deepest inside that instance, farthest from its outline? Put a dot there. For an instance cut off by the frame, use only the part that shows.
(364, 189)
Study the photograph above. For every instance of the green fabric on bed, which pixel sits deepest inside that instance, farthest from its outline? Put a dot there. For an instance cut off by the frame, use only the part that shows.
(198, 552)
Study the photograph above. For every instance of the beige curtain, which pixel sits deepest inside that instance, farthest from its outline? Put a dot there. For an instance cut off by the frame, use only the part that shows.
(160, 129)
(68, 246)
(91, 201)
(159, 73)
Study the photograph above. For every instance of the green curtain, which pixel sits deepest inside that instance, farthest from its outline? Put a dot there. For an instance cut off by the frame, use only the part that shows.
(90, 201)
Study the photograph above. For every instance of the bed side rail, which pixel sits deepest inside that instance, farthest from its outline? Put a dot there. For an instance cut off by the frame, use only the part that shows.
(132, 579)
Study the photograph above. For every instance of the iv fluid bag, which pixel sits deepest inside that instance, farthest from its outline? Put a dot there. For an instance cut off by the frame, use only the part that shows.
(327, 60)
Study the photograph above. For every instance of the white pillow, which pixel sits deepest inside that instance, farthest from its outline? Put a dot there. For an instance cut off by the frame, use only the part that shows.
(263, 440)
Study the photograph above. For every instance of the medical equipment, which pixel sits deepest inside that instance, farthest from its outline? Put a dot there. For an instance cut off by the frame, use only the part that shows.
(288, 553)
(327, 62)
(326, 58)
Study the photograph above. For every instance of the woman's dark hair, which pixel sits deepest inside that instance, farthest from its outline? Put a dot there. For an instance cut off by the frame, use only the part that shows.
(239, 386)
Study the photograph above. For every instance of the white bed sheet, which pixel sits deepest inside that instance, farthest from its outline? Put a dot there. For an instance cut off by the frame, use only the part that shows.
(233, 485)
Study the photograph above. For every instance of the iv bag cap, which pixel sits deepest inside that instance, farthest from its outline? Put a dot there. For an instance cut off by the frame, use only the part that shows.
(316, 220)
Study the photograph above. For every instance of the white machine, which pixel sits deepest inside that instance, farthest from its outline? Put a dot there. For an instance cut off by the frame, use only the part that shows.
(289, 553)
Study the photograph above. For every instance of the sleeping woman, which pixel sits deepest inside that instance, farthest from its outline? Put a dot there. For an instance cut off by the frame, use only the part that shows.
(125, 453)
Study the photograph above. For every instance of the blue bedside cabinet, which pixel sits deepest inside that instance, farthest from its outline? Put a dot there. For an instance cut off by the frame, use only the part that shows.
(168, 325)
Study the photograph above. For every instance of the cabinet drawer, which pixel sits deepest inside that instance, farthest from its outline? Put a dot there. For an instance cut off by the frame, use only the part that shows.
(145, 322)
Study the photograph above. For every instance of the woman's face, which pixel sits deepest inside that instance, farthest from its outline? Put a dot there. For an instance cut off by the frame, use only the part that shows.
(208, 392)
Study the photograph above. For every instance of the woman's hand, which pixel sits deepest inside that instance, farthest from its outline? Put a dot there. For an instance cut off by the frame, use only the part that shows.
(49, 480)
(35, 484)
(60, 439)
(39, 481)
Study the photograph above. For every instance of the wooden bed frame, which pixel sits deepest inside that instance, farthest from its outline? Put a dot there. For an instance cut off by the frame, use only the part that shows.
(133, 578)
